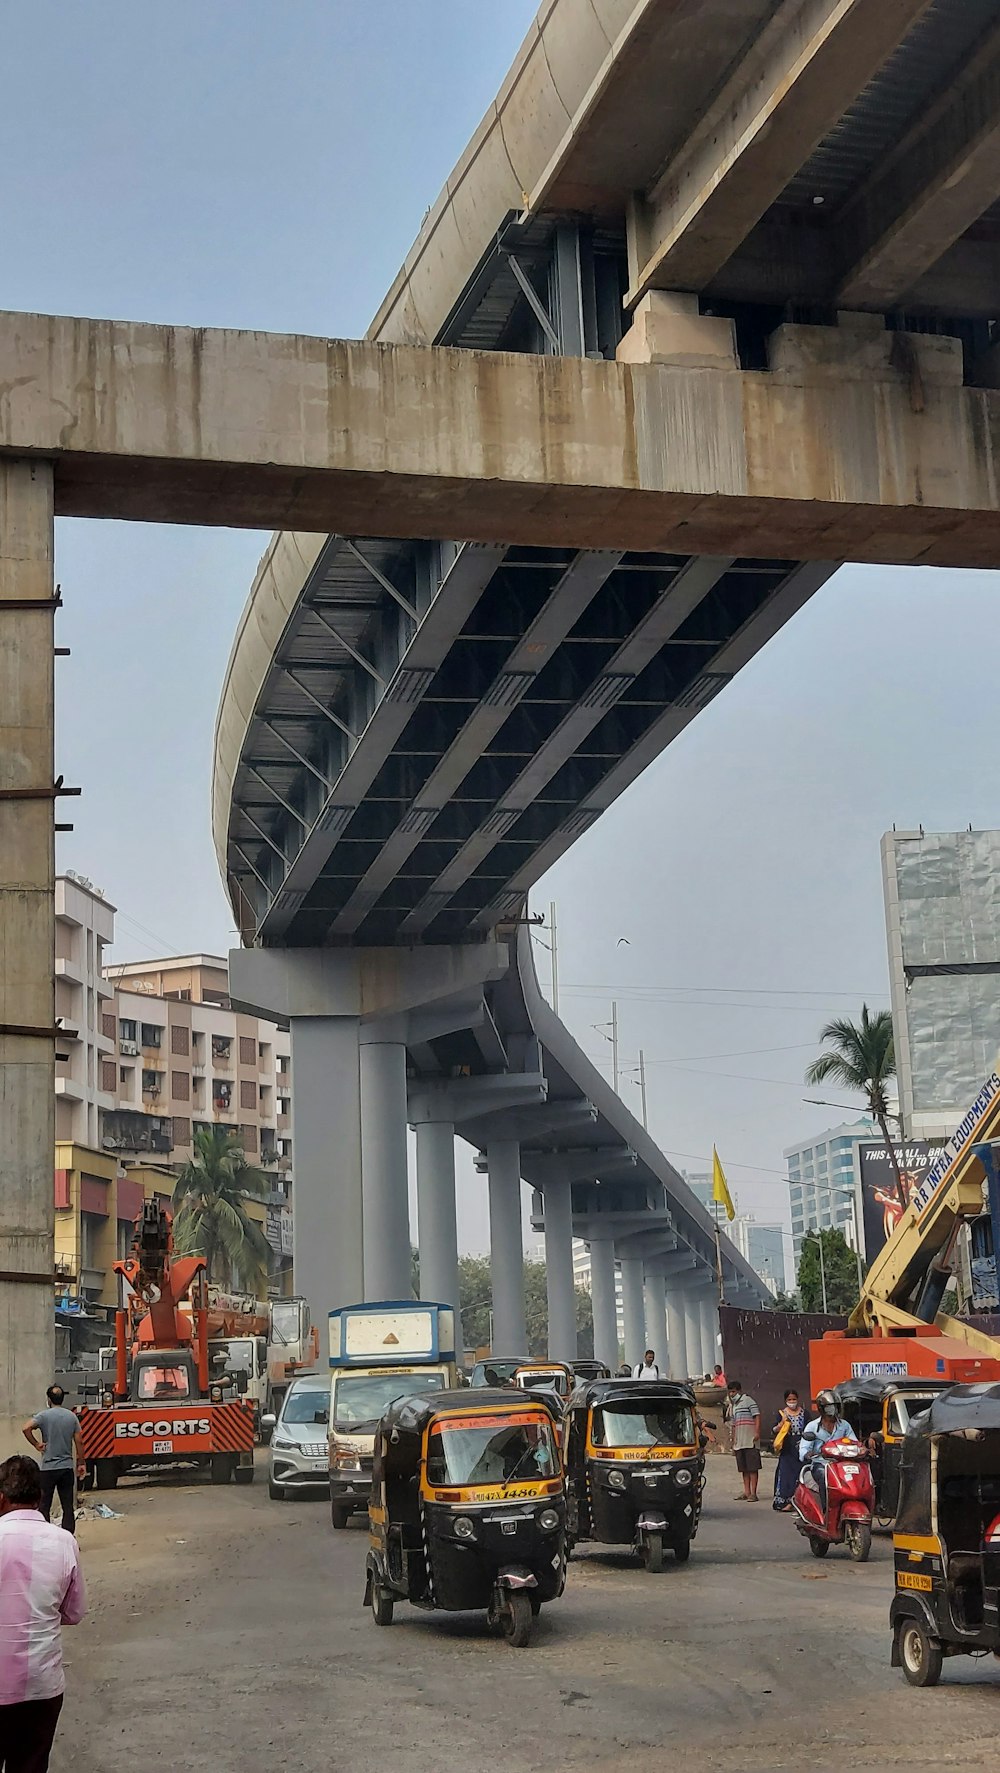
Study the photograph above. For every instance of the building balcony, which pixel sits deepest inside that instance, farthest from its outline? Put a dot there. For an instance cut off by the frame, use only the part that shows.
(284, 1123)
(105, 990)
(70, 1090)
(70, 971)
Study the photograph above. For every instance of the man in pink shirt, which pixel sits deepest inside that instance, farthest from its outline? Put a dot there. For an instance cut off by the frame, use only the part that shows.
(41, 1589)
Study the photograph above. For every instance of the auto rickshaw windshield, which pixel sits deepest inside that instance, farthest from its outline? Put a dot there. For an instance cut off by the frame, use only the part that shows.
(491, 1450)
(626, 1424)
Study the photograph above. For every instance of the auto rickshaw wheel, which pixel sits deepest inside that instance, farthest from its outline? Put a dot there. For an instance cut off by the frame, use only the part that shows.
(819, 1547)
(652, 1552)
(516, 1617)
(535, 1604)
(381, 1604)
(682, 1551)
(920, 1654)
(859, 1540)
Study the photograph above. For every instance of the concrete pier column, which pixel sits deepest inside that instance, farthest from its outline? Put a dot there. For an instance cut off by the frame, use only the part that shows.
(633, 1308)
(655, 1301)
(437, 1232)
(692, 1330)
(710, 1330)
(604, 1303)
(677, 1347)
(27, 945)
(503, 1160)
(327, 1226)
(560, 1291)
(383, 1167)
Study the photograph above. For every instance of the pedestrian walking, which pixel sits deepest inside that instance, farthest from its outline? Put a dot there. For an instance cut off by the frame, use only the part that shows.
(647, 1368)
(41, 1589)
(54, 1433)
(785, 1437)
(744, 1422)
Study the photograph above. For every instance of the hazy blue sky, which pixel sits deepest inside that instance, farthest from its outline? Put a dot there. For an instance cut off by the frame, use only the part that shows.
(267, 165)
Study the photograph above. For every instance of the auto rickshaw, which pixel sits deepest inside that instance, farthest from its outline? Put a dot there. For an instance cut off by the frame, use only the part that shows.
(554, 1376)
(468, 1508)
(880, 1412)
(946, 1542)
(636, 1466)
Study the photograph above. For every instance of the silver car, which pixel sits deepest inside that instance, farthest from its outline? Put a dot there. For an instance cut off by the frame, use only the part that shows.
(298, 1457)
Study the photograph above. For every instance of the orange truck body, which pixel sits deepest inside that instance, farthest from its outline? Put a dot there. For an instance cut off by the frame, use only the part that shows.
(924, 1354)
(147, 1432)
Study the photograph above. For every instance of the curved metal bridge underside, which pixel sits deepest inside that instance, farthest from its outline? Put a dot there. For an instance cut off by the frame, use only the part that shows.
(435, 724)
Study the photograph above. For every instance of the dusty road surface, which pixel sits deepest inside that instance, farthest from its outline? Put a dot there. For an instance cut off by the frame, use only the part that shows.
(227, 1633)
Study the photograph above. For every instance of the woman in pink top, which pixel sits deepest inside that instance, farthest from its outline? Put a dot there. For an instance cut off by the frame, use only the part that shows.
(41, 1589)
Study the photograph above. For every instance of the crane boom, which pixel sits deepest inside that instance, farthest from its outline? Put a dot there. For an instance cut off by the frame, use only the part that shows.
(905, 1284)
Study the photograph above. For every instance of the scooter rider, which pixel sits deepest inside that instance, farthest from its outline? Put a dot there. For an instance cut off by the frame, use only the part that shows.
(829, 1425)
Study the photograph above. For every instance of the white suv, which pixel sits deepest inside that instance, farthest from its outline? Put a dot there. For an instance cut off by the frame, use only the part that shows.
(297, 1457)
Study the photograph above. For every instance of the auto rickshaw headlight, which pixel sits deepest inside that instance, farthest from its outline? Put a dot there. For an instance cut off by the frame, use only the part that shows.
(683, 1476)
(616, 1479)
(548, 1520)
(464, 1528)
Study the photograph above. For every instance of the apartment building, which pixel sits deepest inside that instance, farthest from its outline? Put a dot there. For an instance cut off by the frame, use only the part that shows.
(85, 927)
(181, 1058)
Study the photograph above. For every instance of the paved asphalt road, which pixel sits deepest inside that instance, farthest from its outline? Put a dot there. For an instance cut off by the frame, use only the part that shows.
(227, 1632)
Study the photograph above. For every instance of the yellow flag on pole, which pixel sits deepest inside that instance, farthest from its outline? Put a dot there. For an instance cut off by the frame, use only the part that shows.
(720, 1187)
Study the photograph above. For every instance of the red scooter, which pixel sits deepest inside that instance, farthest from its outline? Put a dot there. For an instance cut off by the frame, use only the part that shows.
(850, 1503)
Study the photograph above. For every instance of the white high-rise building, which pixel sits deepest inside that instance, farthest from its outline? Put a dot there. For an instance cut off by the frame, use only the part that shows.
(581, 1277)
(824, 1182)
(85, 927)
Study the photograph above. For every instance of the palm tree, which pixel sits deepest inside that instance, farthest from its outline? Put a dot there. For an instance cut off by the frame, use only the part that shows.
(210, 1218)
(862, 1059)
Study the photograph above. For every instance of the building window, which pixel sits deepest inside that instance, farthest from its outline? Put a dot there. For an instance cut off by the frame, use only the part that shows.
(248, 1093)
(222, 1046)
(107, 1074)
(248, 1050)
(180, 1085)
(248, 1138)
(282, 1063)
(222, 1095)
(179, 1040)
(182, 1130)
(108, 1027)
(150, 1083)
(150, 1034)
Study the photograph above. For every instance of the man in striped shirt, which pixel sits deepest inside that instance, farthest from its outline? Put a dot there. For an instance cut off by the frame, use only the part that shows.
(41, 1589)
(744, 1422)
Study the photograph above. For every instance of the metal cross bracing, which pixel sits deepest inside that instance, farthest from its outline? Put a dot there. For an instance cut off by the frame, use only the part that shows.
(440, 724)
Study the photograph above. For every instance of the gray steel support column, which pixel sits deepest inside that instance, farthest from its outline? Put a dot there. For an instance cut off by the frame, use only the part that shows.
(677, 1347)
(327, 1227)
(604, 1303)
(27, 945)
(655, 1301)
(383, 1168)
(503, 1161)
(559, 1287)
(633, 1308)
(709, 1306)
(437, 1232)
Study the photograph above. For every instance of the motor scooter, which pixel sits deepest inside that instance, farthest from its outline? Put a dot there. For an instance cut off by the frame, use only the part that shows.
(850, 1502)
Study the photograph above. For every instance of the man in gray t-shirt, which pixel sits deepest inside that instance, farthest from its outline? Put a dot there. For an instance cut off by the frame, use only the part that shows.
(53, 1433)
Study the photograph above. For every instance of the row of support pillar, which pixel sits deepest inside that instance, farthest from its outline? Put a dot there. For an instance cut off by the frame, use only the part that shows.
(352, 1221)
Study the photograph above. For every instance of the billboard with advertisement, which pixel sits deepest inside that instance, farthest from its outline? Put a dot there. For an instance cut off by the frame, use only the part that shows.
(881, 1208)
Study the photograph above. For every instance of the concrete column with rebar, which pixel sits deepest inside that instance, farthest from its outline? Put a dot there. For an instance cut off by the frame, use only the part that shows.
(27, 944)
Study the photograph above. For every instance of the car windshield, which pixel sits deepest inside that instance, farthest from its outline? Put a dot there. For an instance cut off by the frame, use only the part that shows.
(238, 1355)
(164, 1382)
(364, 1397)
(491, 1450)
(311, 1404)
(502, 1369)
(544, 1379)
(628, 1425)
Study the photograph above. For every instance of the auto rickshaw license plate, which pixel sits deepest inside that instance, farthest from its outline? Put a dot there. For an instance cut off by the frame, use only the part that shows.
(508, 1526)
(913, 1579)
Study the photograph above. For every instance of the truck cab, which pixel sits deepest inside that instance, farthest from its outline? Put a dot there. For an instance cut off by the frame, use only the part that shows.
(379, 1352)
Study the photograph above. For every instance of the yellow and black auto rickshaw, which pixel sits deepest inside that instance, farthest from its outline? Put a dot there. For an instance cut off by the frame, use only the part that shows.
(468, 1508)
(635, 1462)
(947, 1536)
(880, 1411)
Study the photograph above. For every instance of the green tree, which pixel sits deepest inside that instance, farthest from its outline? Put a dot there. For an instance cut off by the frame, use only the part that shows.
(840, 1266)
(787, 1302)
(476, 1285)
(210, 1216)
(862, 1059)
